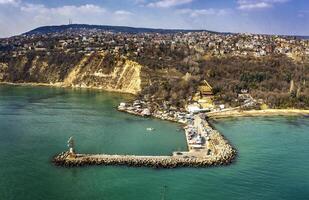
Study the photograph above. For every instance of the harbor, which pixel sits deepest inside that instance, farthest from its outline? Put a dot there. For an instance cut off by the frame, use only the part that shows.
(262, 153)
(206, 148)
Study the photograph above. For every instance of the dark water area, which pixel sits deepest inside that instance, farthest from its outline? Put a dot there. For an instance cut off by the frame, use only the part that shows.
(35, 123)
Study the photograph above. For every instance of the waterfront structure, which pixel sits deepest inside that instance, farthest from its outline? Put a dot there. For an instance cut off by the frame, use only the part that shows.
(206, 150)
(71, 145)
(193, 108)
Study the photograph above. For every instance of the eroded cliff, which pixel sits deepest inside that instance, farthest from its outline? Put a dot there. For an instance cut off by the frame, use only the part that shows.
(97, 70)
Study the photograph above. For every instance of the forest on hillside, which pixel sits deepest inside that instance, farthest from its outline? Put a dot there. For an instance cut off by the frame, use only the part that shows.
(267, 78)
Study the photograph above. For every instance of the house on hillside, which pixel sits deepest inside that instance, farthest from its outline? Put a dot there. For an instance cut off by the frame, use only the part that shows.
(204, 96)
(205, 89)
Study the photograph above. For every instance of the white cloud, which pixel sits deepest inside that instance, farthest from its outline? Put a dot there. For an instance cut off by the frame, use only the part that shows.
(201, 12)
(303, 13)
(123, 12)
(168, 3)
(64, 10)
(9, 2)
(41, 15)
(257, 4)
(139, 1)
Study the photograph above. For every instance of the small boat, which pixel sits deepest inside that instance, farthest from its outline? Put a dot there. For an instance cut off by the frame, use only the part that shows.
(150, 129)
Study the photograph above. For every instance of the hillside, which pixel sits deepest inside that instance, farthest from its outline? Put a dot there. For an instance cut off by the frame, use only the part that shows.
(116, 29)
(167, 69)
(122, 29)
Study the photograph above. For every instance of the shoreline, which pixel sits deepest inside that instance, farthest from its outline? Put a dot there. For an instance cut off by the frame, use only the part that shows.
(62, 85)
(211, 115)
(257, 113)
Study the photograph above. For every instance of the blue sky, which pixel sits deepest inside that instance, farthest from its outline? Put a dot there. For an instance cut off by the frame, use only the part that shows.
(254, 16)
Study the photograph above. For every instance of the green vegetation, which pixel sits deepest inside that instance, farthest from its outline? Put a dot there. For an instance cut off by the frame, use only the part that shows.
(266, 78)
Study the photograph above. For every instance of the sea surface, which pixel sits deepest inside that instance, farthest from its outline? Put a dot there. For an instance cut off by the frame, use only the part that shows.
(35, 123)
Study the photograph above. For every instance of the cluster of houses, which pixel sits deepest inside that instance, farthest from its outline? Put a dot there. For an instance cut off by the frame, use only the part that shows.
(144, 109)
(247, 101)
(137, 107)
(247, 44)
(86, 41)
(202, 102)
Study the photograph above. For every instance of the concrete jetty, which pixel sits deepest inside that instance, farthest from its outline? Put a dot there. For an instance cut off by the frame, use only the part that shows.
(206, 148)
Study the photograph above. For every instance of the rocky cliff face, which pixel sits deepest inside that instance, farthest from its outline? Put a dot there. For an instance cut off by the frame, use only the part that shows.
(122, 75)
(97, 70)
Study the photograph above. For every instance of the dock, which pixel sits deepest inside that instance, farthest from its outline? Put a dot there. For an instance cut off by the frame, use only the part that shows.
(206, 148)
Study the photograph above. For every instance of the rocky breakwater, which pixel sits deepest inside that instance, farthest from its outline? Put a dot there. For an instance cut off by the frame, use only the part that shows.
(66, 159)
(221, 149)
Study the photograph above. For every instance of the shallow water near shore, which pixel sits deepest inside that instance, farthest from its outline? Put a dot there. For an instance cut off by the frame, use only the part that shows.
(35, 123)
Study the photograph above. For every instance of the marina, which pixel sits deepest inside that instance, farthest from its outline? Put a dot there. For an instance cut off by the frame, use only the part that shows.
(206, 148)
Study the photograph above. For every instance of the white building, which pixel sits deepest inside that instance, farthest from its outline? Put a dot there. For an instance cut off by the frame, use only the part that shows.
(193, 108)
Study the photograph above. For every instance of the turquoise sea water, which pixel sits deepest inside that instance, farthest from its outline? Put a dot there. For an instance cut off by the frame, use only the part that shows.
(35, 123)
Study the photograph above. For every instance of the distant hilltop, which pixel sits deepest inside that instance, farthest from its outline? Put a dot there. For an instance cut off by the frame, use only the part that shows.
(121, 29)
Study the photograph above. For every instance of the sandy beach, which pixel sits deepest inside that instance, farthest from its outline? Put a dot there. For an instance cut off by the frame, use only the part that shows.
(256, 113)
(34, 84)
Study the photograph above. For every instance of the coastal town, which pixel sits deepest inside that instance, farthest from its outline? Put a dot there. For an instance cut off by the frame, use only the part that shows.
(133, 45)
(165, 68)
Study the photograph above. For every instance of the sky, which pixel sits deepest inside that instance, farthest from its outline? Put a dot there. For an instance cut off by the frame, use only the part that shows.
(287, 17)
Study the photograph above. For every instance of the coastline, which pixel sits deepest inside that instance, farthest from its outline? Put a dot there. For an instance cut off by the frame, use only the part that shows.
(212, 115)
(33, 84)
(258, 113)
(62, 85)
